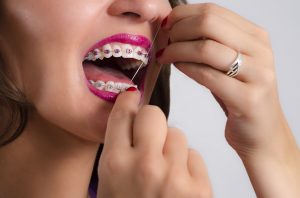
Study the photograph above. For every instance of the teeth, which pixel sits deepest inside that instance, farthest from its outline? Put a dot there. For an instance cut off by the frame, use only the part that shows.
(117, 51)
(141, 54)
(99, 85)
(127, 65)
(137, 54)
(110, 86)
(145, 58)
(107, 51)
(90, 56)
(127, 51)
(97, 55)
(118, 85)
(121, 50)
(92, 82)
(114, 87)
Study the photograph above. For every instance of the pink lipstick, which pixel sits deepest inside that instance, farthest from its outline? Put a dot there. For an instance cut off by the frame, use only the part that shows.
(109, 69)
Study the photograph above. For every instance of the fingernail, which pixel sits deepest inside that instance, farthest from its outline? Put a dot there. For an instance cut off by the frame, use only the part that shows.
(131, 89)
(160, 53)
(169, 41)
(164, 22)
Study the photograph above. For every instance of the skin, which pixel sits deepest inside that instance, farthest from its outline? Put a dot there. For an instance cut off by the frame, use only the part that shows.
(256, 127)
(43, 46)
(143, 157)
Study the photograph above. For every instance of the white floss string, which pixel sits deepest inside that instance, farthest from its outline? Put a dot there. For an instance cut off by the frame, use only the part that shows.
(155, 36)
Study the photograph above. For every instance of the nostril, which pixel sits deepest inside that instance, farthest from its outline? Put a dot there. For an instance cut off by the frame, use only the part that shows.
(131, 14)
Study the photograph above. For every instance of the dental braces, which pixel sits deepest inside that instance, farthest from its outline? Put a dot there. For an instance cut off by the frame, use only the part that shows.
(115, 87)
(118, 50)
(151, 46)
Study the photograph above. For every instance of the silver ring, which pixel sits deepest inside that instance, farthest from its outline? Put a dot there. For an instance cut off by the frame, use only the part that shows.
(235, 66)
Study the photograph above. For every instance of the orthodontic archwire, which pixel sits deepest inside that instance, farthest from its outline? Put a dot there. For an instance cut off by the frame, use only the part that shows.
(151, 46)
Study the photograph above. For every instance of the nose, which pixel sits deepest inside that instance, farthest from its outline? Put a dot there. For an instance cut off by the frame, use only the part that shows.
(140, 10)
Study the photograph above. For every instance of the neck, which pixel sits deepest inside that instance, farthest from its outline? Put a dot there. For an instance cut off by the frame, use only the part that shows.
(46, 162)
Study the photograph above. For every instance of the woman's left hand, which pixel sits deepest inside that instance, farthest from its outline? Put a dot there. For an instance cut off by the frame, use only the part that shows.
(204, 42)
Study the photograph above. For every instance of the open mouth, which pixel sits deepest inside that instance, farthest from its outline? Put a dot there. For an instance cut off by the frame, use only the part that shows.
(110, 65)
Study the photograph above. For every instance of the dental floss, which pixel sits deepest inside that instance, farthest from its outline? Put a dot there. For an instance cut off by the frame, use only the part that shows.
(155, 36)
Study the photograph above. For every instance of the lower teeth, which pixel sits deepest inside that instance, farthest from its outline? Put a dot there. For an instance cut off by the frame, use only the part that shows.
(110, 86)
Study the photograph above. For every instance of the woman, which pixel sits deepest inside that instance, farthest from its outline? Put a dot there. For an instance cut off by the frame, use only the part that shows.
(64, 65)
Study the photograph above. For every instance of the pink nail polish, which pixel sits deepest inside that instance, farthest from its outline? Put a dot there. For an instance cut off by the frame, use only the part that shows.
(159, 53)
(164, 22)
(169, 41)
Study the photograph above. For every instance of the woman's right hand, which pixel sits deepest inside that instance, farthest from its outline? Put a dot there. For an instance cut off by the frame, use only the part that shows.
(142, 157)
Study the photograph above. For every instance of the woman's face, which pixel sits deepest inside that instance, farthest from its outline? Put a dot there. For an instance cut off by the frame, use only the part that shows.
(45, 46)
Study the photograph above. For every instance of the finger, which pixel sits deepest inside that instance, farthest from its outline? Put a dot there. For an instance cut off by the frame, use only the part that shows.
(211, 53)
(215, 28)
(230, 90)
(150, 128)
(222, 105)
(176, 148)
(200, 51)
(197, 168)
(184, 11)
(120, 122)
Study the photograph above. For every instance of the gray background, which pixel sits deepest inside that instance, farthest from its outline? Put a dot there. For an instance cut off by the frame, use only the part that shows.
(194, 110)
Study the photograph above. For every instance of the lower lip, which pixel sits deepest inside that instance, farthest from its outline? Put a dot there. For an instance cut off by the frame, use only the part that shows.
(105, 95)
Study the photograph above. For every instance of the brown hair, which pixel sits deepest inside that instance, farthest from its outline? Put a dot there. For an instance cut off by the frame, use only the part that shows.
(161, 92)
(14, 109)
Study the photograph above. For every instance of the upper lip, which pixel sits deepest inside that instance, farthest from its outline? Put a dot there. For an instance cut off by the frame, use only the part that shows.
(137, 40)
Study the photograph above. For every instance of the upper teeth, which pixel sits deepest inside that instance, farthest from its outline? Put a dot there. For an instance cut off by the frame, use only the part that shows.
(119, 50)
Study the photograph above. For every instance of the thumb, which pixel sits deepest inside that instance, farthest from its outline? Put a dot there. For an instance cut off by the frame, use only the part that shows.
(120, 121)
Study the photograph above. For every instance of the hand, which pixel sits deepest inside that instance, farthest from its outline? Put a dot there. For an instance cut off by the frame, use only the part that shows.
(204, 41)
(142, 157)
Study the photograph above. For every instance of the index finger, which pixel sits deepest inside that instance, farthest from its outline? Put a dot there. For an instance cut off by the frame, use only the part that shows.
(183, 11)
(120, 122)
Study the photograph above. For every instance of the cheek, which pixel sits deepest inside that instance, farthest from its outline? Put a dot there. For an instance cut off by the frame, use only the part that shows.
(80, 118)
(60, 95)
(57, 89)
(45, 37)
(48, 24)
